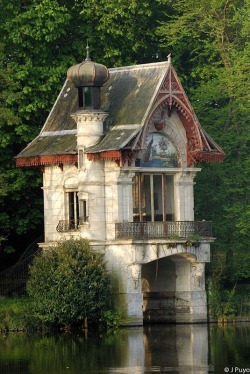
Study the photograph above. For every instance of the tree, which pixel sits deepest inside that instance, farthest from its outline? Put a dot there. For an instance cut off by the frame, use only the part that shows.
(69, 283)
(212, 38)
(29, 81)
(40, 40)
(123, 31)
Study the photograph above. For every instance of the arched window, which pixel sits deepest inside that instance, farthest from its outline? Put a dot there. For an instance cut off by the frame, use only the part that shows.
(158, 151)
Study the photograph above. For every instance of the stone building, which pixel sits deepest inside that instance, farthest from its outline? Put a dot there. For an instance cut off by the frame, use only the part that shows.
(119, 154)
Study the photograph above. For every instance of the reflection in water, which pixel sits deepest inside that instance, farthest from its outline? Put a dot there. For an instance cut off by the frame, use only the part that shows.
(152, 349)
(177, 346)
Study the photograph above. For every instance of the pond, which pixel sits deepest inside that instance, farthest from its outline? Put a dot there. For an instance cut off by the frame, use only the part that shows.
(149, 349)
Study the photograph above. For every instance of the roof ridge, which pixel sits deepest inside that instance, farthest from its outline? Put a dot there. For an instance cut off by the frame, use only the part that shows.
(140, 66)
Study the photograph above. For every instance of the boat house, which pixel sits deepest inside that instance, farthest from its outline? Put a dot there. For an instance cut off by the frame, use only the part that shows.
(119, 154)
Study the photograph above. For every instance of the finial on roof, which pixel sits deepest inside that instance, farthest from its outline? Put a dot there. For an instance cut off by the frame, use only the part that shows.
(87, 54)
(169, 58)
(88, 73)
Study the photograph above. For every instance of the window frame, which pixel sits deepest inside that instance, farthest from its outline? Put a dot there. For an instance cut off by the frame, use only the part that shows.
(141, 201)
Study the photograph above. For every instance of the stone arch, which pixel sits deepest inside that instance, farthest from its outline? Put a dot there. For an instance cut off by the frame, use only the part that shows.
(147, 252)
(71, 181)
(167, 288)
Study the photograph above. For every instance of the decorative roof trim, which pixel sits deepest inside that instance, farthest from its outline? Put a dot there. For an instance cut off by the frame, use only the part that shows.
(156, 93)
(47, 160)
(111, 155)
(200, 147)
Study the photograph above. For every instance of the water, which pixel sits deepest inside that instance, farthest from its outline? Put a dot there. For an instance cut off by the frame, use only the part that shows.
(168, 349)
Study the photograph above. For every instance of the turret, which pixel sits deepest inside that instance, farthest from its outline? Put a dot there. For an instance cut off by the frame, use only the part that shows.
(88, 77)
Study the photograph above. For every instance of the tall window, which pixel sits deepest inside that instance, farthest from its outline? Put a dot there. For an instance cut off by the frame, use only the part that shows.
(73, 207)
(153, 197)
(83, 211)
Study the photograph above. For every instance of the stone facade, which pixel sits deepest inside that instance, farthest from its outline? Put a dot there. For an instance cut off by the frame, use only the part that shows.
(126, 184)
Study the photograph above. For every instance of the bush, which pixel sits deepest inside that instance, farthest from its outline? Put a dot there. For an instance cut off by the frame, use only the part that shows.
(69, 283)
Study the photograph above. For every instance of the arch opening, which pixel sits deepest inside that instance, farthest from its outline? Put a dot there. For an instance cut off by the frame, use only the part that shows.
(166, 289)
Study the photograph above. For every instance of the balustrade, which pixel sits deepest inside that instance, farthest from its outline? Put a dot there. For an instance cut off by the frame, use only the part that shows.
(71, 225)
(171, 230)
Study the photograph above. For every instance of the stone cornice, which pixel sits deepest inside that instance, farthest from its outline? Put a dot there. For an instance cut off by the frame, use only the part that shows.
(89, 116)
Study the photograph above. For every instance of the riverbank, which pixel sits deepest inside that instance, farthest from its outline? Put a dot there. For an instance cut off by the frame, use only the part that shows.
(16, 315)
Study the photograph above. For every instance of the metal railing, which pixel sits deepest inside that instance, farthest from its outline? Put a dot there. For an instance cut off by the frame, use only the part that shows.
(171, 230)
(71, 225)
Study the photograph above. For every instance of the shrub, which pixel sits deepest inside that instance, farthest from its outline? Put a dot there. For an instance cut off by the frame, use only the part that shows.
(69, 283)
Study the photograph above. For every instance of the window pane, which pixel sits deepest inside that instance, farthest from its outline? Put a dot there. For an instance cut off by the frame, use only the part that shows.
(88, 97)
(169, 197)
(136, 197)
(76, 206)
(153, 197)
(146, 197)
(158, 201)
(73, 206)
(80, 97)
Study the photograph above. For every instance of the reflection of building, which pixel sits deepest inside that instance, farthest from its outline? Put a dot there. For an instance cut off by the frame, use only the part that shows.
(181, 348)
(118, 153)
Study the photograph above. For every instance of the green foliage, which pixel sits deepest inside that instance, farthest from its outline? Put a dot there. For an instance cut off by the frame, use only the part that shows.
(124, 30)
(210, 40)
(15, 314)
(221, 301)
(111, 319)
(69, 283)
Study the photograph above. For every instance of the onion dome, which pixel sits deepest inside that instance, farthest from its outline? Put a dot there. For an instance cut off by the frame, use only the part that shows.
(88, 73)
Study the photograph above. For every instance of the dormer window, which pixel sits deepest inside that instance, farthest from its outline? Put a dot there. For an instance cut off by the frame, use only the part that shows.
(85, 97)
(89, 97)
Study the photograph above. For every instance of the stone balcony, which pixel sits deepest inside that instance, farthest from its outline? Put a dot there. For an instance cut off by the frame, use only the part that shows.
(171, 230)
(165, 230)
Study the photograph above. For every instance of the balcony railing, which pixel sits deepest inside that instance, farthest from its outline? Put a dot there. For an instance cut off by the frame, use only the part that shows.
(71, 225)
(171, 230)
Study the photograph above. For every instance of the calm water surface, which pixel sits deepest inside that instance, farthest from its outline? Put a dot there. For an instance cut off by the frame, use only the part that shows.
(169, 349)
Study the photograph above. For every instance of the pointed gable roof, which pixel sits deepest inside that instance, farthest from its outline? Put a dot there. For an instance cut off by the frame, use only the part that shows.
(200, 146)
(132, 96)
